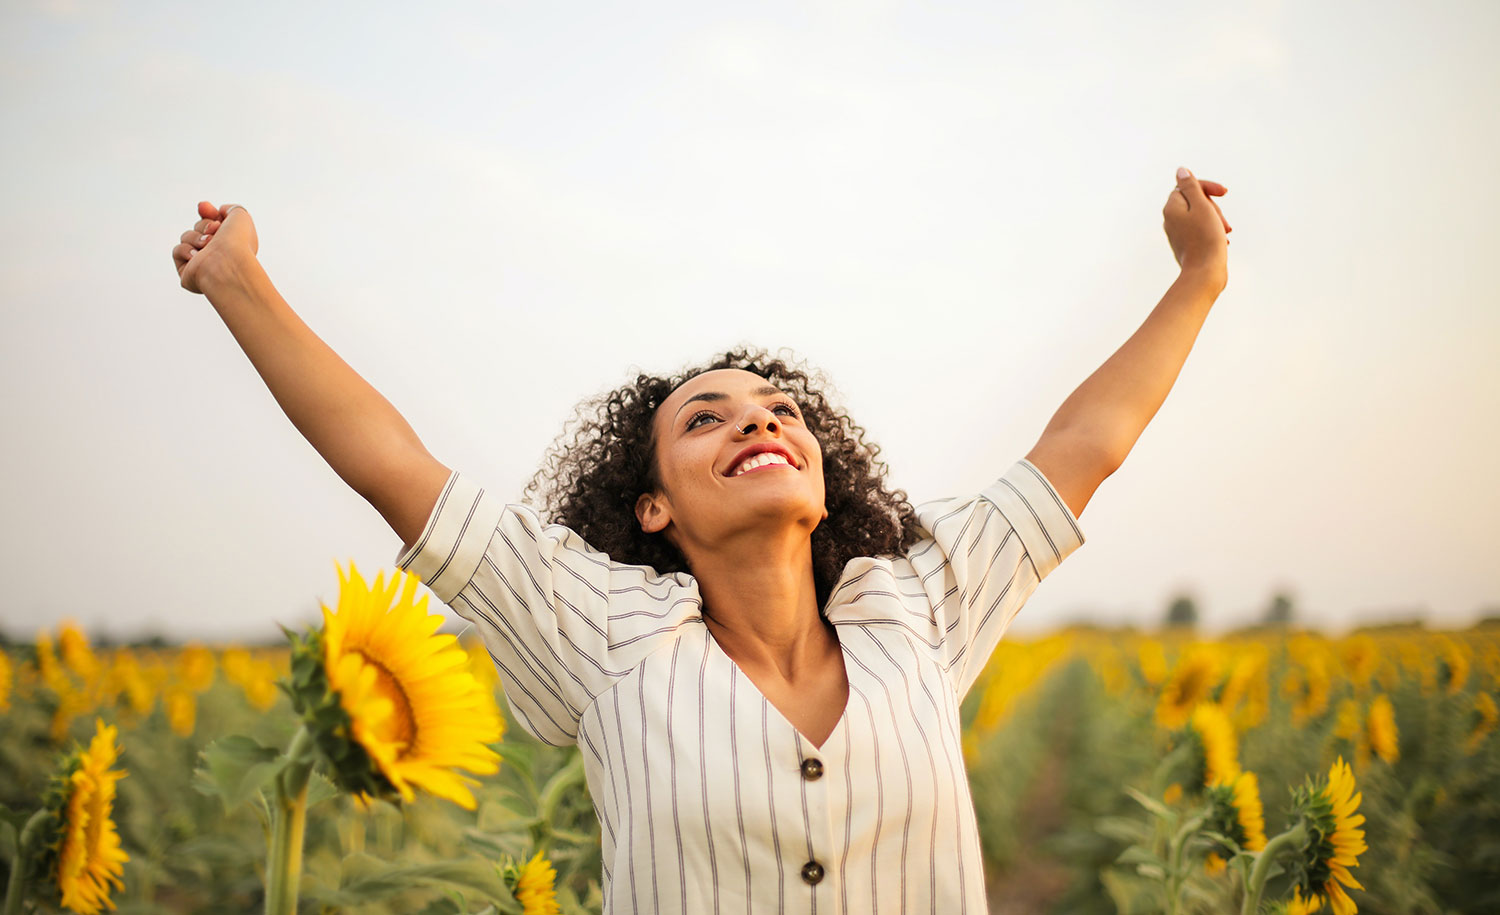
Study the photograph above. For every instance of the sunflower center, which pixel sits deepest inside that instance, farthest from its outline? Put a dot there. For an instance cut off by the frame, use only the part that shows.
(400, 727)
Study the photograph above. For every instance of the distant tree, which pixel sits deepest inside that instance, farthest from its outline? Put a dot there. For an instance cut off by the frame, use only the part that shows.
(1489, 617)
(1182, 612)
(1279, 612)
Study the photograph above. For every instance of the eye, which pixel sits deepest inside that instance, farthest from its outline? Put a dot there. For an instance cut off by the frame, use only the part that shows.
(692, 422)
(790, 410)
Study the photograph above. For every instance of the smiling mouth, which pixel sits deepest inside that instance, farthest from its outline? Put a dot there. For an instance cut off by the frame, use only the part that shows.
(762, 460)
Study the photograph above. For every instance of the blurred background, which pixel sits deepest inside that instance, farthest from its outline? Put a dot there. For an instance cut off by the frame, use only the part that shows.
(494, 211)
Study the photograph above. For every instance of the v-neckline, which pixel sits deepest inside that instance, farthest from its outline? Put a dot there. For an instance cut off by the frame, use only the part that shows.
(736, 670)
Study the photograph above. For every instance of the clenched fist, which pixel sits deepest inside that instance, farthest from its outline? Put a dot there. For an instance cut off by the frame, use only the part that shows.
(1195, 226)
(211, 248)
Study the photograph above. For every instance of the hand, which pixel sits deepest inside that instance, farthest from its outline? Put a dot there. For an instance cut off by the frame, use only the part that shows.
(1196, 227)
(211, 246)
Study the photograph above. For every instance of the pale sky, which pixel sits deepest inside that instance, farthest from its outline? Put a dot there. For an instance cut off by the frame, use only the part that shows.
(495, 210)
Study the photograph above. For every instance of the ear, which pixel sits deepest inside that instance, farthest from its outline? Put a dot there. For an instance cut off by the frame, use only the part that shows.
(652, 512)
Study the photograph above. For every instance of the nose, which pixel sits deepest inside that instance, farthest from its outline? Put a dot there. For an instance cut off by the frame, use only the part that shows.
(758, 417)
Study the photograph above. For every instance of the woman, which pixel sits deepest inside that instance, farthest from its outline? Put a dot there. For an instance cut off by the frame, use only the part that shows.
(760, 650)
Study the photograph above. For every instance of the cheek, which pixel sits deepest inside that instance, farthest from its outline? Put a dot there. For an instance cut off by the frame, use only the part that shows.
(686, 460)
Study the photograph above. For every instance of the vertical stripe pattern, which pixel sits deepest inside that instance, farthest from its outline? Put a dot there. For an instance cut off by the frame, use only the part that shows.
(698, 780)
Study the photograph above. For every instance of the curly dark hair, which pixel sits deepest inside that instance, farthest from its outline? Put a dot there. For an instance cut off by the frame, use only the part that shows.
(605, 459)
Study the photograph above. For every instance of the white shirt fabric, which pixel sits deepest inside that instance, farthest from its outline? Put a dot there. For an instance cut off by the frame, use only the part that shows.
(704, 790)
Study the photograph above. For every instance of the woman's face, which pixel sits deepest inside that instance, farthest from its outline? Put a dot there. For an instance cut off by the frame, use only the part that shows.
(732, 455)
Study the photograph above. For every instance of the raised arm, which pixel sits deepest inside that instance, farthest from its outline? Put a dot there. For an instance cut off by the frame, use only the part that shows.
(1097, 426)
(356, 430)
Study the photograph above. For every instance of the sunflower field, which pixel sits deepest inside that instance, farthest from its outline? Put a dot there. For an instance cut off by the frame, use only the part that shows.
(369, 765)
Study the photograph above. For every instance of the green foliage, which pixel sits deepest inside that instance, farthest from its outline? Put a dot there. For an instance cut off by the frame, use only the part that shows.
(364, 879)
(236, 768)
(1049, 784)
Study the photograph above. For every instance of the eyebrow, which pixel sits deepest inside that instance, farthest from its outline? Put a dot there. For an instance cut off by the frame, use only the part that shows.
(764, 391)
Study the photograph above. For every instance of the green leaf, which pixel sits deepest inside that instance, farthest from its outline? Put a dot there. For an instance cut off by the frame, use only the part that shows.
(1137, 855)
(1219, 839)
(235, 768)
(1152, 804)
(494, 846)
(1123, 829)
(367, 879)
(319, 789)
(444, 905)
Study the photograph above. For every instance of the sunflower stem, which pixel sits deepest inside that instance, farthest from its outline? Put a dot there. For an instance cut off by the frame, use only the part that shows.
(1263, 861)
(565, 780)
(288, 824)
(15, 891)
(1175, 876)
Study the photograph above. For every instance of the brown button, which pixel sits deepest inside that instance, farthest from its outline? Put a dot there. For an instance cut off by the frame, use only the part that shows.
(812, 873)
(812, 769)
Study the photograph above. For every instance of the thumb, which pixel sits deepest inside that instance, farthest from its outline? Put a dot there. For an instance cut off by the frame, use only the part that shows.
(1190, 187)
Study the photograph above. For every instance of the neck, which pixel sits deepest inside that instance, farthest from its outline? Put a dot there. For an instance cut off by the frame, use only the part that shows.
(760, 601)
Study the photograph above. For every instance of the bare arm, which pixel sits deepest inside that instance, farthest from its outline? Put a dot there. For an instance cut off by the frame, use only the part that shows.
(356, 430)
(1097, 426)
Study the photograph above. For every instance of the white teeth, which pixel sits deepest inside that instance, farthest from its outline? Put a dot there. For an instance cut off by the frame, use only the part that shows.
(760, 460)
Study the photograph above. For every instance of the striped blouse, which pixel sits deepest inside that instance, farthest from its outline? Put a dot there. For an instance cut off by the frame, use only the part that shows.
(709, 799)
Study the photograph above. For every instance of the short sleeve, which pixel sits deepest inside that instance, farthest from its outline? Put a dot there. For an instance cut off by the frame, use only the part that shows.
(986, 555)
(561, 621)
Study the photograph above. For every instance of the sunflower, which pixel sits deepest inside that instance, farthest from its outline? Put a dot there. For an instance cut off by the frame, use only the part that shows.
(89, 859)
(1380, 729)
(1248, 810)
(5, 680)
(1195, 677)
(194, 667)
(125, 678)
(1334, 839)
(1244, 696)
(1221, 763)
(1346, 723)
(76, 653)
(255, 676)
(1307, 685)
(260, 689)
(1152, 661)
(1484, 718)
(1452, 667)
(1236, 812)
(391, 702)
(532, 884)
(182, 710)
(1299, 906)
(1360, 656)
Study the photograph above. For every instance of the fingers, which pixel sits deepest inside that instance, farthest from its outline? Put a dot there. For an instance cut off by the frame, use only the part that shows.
(1227, 227)
(195, 238)
(207, 210)
(1189, 186)
(1195, 191)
